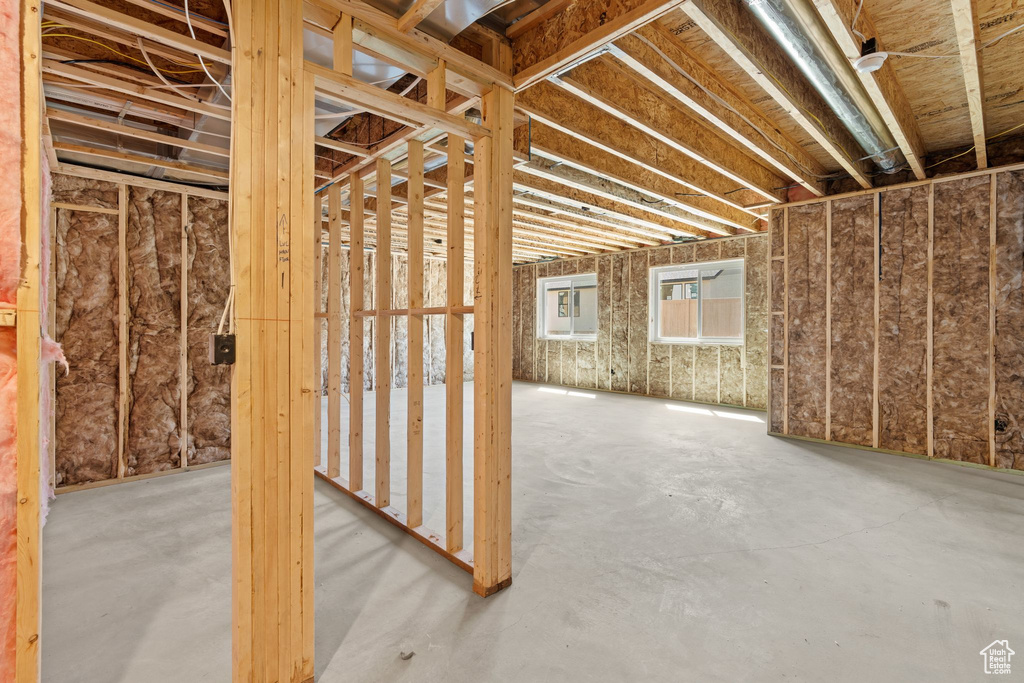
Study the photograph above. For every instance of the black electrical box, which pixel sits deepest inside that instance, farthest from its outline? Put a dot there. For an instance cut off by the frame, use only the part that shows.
(222, 349)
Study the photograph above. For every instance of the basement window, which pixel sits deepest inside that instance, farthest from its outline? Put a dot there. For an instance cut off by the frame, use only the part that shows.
(697, 303)
(567, 307)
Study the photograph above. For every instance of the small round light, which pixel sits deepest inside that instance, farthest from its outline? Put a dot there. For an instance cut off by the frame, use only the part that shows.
(871, 62)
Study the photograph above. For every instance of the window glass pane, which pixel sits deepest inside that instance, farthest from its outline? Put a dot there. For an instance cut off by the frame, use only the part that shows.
(557, 321)
(585, 309)
(677, 302)
(721, 291)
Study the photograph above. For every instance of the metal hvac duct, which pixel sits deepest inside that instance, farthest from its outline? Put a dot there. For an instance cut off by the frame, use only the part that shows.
(798, 28)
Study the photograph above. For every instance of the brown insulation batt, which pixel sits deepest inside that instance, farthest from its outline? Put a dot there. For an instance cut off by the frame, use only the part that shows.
(777, 402)
(622, 358)
(960, 277)
(682, 371)
(853, 319)
(209, 279)
(620, 323)
(87, 327)
(756, 325)
(154, 331)
(903, 322)
(1009, 356)
(85, 192)
(638, 333)
(807, 290)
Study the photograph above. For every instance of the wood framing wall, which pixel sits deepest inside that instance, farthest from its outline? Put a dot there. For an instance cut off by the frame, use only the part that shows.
(434, 295)
(897, 319)
(140, 280)
(622, 359)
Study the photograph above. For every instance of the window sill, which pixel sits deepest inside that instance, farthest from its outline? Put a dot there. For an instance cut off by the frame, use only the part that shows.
(699, 342)
(577, 337)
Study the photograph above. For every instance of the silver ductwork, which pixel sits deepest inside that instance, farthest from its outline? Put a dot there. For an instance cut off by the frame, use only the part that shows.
(800, 31)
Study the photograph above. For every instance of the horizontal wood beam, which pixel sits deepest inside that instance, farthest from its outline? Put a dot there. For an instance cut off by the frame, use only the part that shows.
(139, 159)
(137, 27)
(882, 85)
(84, 76)
(656, 54)
(130, 131)
(614, 135)
(610, 87)
(965, 19)
(557, 146)
(419, 11)
(737, 33)
(537, 16)
(76, 171)
(579, 29)
(348, 89)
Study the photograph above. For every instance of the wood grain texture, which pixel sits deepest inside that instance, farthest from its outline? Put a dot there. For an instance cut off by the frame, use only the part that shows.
(961, 320)
(903, 332)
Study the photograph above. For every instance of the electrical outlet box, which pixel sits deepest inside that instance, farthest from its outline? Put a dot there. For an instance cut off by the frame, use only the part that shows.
(222, 349)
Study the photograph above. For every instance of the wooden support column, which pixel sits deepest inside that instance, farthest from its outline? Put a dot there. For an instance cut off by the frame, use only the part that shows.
(122, 327)
(382, 371)
(29, 567)
(355, 336)
(334, 332)
(414, 445)
(183, 314)
(318, 284)
(492, 370)
(272, 380)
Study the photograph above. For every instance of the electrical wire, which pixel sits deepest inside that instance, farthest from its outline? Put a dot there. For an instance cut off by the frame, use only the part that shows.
(188, 20)
(972, 147)
(115, 51)
(194, 14)
(142, 49)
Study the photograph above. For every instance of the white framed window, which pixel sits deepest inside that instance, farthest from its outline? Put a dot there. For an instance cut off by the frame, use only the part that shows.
(567, 307)
(698, 303)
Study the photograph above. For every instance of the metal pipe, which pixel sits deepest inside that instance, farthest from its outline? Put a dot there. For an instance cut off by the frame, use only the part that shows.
(800, 31)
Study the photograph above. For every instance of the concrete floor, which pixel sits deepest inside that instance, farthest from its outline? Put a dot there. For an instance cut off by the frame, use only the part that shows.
(650, 544)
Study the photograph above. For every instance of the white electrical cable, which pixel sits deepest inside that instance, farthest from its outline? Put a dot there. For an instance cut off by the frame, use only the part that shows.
(188, 20)
(145, 55)
(853, 24)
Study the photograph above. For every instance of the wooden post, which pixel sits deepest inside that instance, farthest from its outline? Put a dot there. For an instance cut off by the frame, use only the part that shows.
(334, 332)
(272, 381)
(492, 453)
(355, 334)
(382, 371)
(183, 313)
(29, 561)
(414, 446)
(122, 327)
(318, 284)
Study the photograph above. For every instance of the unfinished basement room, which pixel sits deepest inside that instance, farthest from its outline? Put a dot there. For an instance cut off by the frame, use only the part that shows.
(463, 341)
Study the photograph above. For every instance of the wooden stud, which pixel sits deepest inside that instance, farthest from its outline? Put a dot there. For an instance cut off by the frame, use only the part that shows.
(785, 321)
(454, 326)
(343, 45)
(272, 383)
(414, 444)
(828, 319)
(492, 452)
(993, 284)
(122, 335)
(318, 284)
(334, 333)
(965, 19)
(876, 227)
(382, 371)
(931, 321)
(355, 334)
(28, 523)
(183, 314)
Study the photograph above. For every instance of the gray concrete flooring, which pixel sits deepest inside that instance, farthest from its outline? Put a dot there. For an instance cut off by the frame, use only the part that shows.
(650, 544)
